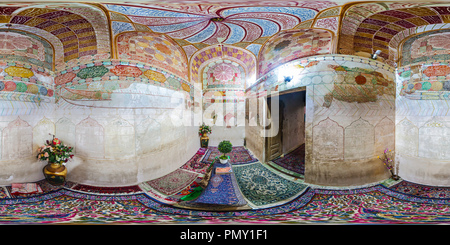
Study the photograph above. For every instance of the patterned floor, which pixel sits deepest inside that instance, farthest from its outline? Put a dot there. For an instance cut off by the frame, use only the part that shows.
(272, 198)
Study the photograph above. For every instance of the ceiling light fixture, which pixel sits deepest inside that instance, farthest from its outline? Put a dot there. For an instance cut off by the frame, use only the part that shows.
(374, 55)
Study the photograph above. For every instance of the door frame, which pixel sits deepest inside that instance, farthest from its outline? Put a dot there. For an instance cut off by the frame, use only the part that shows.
(267, 142)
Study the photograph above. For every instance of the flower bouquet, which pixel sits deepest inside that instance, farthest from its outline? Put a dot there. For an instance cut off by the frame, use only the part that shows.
(389, 162)
(204, 129)
(55, 152)
(57, 155)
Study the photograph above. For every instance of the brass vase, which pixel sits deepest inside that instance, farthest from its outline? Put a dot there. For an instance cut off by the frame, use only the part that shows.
(204, 140)
(55, 173)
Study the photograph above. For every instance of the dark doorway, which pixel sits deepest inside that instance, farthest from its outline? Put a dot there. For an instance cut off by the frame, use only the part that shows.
(286, 150)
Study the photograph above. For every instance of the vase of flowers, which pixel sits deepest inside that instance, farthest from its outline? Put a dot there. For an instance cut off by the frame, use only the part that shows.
(225, 147)
(388, 161)
(57, 155)
(203, 132)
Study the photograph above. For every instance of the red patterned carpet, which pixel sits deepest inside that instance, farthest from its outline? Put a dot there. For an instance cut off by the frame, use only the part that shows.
(293, 161)
(239, 155)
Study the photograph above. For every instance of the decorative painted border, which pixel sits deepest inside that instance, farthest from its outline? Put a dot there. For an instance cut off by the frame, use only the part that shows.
(270, 82)
(303, 199)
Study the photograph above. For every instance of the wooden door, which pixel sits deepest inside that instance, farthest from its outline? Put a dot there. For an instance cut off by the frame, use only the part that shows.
(274, 135)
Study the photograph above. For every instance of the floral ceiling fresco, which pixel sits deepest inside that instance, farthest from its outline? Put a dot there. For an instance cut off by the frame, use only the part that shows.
(182, 38)
(199, 27)
(231, 25)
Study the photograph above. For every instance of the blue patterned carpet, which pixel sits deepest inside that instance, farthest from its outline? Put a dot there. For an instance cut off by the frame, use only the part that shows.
(221, 192)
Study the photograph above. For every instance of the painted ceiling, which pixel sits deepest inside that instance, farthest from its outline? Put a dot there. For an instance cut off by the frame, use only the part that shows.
(184, 37)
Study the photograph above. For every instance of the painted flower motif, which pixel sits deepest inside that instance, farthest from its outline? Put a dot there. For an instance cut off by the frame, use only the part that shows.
(13, 41)
(161, 50)
(164, 49)
(10, 86)
(65, 78)
(19, 72)
(223, 72)
(91, 72)
(124, 70)
(185, 87)
(154, 75)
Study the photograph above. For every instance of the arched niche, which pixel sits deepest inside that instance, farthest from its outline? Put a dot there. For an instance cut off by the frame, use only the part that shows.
(205, 56)
(22, 46)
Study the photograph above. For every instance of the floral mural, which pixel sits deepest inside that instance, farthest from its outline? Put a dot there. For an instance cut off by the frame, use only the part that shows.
(155, 49)
(21, 46)
(224, 75)
(427, 46)
(290, 45)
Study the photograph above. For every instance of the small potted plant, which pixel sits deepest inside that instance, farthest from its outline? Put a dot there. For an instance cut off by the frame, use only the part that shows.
(203, 132)
(225, 147)
(56, 154)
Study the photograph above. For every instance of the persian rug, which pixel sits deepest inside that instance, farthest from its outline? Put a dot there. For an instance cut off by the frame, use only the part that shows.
(173, 182)
(293, 161)
(186, 191)
(196, 164)
(239, 155)
(421, 190)
(263, 187)
(107, 190)
(221, 191)
(44, 186)
(47, 187)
